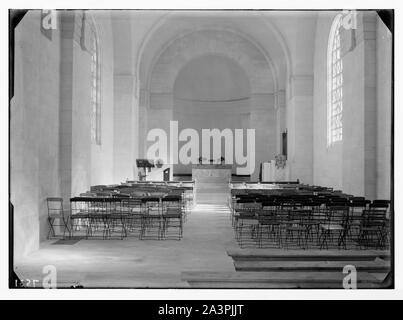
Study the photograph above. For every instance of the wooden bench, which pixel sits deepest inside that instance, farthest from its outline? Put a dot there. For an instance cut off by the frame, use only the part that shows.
(281, 280)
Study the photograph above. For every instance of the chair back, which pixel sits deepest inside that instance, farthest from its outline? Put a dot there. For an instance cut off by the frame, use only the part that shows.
(299, 216)
(55, 206)
(131, 206)
(173, 213)
(338, 215)
(374, 218)
(379, 204)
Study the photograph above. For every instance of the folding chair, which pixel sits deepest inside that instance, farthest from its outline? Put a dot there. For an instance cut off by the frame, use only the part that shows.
(56, 212)
(172, 220)
(132, 210)
(79, 215)
(172, 201)
(357, 207)
(373, 231)
(246, 227)
(268, 229)
(114, 218)
(337, 222)
(297, 228)
(152, 225)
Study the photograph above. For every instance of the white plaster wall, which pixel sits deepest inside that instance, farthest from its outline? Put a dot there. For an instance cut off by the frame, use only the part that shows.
(219, 84)
(211, 92)
(34, 136)
(341, 165)
(360, 164)
(81, 122)
(37, 169)
(123, 128)
(298, 29)
(300, 155)
(353, 122)
(263, 119)
(384, 104)
(216, 42)
(102, 155)
(327, 161)
(211, 116)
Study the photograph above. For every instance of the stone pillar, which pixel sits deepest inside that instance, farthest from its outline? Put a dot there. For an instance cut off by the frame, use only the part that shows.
(280, 118)
(159, 115)
(143, 107)
(359, 108)
(300, 128)
(369, 21)
(75, 106)
(263, 120)
(384, 105)
(66, 102)
(124, 132)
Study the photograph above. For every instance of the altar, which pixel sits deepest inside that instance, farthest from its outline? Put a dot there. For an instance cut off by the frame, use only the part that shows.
(211, 183)
(220, 173)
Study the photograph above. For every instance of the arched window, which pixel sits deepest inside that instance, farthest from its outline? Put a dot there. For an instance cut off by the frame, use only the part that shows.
(95, 88)
(334, 85)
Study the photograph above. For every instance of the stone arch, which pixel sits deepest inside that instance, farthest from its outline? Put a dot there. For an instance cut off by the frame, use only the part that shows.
(181, 50)
(270, 42)
(239, 79)
(174, 40)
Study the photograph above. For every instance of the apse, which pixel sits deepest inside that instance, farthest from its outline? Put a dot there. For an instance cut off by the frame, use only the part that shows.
(211, 91)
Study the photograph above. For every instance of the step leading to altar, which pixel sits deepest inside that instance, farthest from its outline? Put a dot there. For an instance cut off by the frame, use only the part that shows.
(211, 183)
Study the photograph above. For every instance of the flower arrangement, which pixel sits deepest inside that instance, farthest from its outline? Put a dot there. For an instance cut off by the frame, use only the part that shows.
(159, 163)
(280, 161)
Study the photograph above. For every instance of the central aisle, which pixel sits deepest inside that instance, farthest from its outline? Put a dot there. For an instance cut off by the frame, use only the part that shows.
(135, 263)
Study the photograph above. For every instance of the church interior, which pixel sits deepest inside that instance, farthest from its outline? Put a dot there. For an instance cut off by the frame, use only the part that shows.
(202, 149)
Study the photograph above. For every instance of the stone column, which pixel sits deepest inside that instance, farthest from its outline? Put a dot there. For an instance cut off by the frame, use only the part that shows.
(279, 105)
(124, 132)
(66, 101)
(369, 21)
(263, 120)
(359, 107)
(159, 115)
(300, 128)
(143, 107)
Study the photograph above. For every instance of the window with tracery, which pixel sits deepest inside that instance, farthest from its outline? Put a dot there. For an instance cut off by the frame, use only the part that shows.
(334, 85)
(95, 90)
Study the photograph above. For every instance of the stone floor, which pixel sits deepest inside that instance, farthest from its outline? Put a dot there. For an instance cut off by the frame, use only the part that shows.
(137, 263)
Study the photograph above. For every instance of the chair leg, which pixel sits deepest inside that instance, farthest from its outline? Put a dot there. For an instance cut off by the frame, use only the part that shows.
(51, 229)
(324, 236)
(66, 227)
